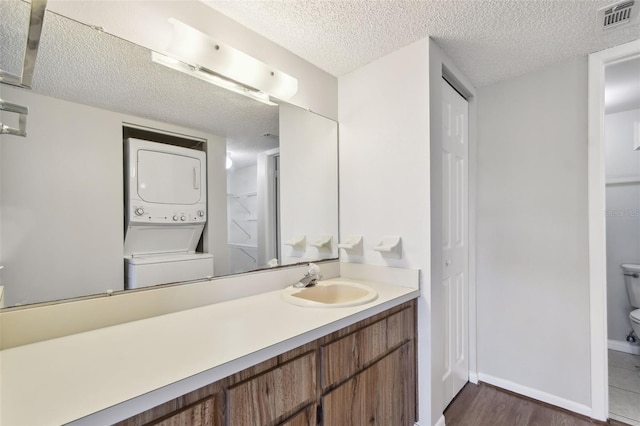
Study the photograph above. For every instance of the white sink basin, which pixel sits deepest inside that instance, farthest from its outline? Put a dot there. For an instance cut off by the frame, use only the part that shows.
(335, 293)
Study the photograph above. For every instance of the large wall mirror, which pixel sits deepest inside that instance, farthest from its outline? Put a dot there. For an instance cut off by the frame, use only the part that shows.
(62, 196)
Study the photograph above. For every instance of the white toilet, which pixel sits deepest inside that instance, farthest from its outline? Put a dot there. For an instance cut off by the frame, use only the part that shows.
(632, 279)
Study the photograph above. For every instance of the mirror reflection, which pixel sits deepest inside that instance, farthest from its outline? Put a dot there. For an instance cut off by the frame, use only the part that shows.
(133, 174)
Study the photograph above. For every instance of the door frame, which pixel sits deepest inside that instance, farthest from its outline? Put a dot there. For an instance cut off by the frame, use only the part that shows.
(268, 208)
(597, 224)
(440, 66)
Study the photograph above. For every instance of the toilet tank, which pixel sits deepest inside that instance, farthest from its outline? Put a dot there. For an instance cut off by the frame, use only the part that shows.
(632, 280)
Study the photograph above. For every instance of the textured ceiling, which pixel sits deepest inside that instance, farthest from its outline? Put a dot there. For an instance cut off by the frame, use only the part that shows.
(488, 40)
(81, 64)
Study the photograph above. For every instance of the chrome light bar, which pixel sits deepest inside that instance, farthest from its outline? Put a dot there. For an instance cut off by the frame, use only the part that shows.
(197, 54)
(210, 77)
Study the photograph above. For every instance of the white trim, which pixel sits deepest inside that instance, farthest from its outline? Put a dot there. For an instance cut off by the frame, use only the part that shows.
(621, 346)
(537, 395)
(440, 64)
(472, 224)
(597, 236)
(441, 421)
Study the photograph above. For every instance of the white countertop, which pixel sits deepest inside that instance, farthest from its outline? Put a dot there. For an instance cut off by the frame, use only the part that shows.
(112, 373)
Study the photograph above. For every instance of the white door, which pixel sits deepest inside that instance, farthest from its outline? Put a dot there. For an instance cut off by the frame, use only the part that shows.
(455, 254)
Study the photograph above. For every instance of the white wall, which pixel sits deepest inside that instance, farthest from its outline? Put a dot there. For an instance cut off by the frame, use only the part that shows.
(308, 182)
(384, 173)
(62, 211)
(215, 232)
(145, 23)
(62, 199)
(532, 246)
(623, 215)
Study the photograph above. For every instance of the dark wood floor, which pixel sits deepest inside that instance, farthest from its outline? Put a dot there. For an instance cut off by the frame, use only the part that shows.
(485, 405)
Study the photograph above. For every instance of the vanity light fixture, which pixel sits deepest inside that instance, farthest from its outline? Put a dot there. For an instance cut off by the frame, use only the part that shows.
(198, 55)
(228, 163)
(210, 77)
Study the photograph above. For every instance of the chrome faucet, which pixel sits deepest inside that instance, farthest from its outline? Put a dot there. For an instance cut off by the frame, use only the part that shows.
(310, 278)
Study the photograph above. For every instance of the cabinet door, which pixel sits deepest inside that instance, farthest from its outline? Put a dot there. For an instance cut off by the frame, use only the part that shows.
(383, 394)
(270, 396)
(200, 414)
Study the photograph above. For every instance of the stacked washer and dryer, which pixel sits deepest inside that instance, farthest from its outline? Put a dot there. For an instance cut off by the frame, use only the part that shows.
(165, 214)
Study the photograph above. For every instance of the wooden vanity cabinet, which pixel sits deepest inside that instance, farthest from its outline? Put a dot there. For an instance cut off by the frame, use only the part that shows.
(364, 374)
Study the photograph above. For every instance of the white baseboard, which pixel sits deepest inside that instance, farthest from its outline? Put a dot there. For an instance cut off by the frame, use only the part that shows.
(620, 346)
(473, 377)
(536, 394)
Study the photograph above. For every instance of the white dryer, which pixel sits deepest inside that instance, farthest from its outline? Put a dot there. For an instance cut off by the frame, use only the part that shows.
(165, 213)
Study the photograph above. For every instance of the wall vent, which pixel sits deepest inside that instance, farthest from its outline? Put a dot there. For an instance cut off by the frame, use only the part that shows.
(617, 15)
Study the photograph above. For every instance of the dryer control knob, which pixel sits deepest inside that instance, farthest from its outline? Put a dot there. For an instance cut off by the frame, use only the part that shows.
(139, 211)
(175, 217)
(200, 213)
(183, 218)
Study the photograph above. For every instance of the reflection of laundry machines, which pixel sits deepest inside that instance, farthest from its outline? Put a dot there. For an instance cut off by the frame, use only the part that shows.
(165, 213)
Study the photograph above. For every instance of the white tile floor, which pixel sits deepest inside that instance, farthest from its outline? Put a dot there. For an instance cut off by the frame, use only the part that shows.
(624, 387)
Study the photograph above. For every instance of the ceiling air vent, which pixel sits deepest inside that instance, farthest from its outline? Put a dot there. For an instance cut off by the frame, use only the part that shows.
(617, 15)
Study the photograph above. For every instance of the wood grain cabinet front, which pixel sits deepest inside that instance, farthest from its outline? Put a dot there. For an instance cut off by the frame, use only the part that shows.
(382, 394)
(346, 356)
(306, 417)
(279, 392)
(199, 414)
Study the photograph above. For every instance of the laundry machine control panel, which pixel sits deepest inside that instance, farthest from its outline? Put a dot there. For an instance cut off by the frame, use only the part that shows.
(156, 214)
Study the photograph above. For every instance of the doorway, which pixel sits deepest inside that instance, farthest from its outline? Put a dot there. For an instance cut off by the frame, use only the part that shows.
(597, 223)
(622, 198)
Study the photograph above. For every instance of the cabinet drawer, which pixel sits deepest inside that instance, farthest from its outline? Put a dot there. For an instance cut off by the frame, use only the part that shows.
(343, 358)
(400, 327)
(200, 414)
(271, 395)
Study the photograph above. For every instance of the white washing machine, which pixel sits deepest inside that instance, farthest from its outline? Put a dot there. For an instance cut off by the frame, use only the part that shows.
(165, 213)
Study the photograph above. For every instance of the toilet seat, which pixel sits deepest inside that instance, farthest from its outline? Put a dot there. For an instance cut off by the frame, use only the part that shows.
(635, 316)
